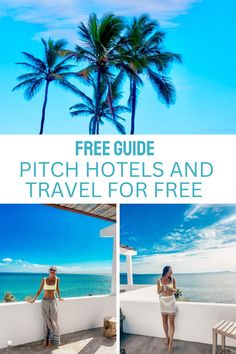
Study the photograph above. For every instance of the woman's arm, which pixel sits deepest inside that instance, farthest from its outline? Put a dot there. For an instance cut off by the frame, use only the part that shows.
(159, 287)
(38, 292)
(174, 286)
(58, 290)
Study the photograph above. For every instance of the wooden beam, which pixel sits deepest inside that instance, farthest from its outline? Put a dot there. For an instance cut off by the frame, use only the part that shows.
(82, 212)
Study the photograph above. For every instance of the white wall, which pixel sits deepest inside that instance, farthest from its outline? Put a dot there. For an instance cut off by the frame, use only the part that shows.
(194, 321)
(127, 287)
(22, 322)
(140, 292)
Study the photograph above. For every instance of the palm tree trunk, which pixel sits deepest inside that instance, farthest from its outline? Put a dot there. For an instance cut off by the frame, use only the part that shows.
(44, 108)
(110, 101)
(98, 98)
(133, 106)
(97, 132)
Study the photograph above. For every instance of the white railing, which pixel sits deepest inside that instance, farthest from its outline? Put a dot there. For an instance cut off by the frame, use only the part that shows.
(194, 320)
(21, 322)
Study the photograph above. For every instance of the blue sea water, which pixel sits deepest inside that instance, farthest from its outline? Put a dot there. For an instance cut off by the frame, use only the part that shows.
(202, 287)
(27, 284)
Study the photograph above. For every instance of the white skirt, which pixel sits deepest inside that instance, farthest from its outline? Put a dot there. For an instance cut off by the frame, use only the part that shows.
(168, 304)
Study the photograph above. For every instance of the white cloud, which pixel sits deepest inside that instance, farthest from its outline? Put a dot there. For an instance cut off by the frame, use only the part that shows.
(20, 265)
(187, 262)
(227, 220)
(218, 234)
(197, 210)
(194, 211)
(60, 17)
(7, 259)
(197, 248)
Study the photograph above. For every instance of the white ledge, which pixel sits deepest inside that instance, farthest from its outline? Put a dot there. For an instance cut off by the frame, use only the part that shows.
(194, 320)
(77, 298)
(21, 322)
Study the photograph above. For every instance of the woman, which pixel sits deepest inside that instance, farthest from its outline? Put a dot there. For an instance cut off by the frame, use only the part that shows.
(166, 288)
(50, 285)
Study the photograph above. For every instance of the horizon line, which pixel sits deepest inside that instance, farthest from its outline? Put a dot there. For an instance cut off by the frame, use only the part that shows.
(46, 272)
(204, 272)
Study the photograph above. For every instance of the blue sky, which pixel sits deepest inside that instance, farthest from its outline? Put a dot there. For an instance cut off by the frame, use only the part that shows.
(33, 237)
(201, 30)
(191, 238)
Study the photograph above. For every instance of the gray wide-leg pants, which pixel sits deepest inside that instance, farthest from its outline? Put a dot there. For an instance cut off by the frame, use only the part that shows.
(50, 324)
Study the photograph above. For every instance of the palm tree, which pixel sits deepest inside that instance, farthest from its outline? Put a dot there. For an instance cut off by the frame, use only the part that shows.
(53, 68)
(88, 106)
(142, 50)
(99, 49)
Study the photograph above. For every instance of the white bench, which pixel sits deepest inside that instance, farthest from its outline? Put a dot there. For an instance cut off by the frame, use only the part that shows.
(224, 329)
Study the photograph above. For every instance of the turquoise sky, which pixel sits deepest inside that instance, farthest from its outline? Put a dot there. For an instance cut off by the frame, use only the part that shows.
(34, 237)
(202, 31)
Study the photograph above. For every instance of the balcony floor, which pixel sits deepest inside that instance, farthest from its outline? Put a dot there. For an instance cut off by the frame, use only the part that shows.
(134, 344)
(84, 342)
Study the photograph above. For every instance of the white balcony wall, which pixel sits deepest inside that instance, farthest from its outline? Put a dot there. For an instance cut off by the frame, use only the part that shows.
(194, 321)
(124, 287)
(21, 322)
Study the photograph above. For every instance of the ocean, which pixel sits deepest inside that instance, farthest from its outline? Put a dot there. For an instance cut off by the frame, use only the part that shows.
(27, 284)
(204, 287)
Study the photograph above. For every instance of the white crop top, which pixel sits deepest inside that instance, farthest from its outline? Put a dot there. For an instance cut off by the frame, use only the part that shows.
(49, 287)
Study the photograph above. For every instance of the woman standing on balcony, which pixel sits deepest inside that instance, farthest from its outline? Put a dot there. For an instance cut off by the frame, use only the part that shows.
(50, 285)
(166, 288)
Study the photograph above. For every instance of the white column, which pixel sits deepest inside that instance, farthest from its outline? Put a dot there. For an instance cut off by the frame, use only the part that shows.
(110, 231)
(113, 283)
(129, 269)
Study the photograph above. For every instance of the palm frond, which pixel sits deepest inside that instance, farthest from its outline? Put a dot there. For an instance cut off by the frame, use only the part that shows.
(117, 84)
(83, 106)
(61, 81)
(85, 75)
(121, 109)
(80, 112)
(93, 25)
(85, 35)
(110, 29)
(33, 88)
(53, 51)
(31, 66)
(82, 54)
(63, 63)
(28, 76)
(58, 45)
(163, 86)
(86, 99)
(66, 69)
(156, 39)
(23, 84)
(37, 62)
(163, 60)
(117, 124)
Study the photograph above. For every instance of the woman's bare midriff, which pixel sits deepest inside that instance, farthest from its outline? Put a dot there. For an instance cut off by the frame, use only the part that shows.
(167, 293)
(49, 294)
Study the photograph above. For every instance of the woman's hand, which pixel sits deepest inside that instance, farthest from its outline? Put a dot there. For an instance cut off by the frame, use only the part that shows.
(60, 299)
(30, 301)
(172, 290)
